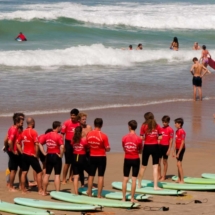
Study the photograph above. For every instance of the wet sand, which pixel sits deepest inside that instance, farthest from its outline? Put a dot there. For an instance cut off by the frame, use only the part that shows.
(199, 156)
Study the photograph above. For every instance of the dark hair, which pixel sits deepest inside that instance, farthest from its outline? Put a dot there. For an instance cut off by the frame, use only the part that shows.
(133, 124)
(195, 59)
(166, 119)
(74, 111)
(77, 134)
(175, 39)
(48, 130)
(98, 122)
(16, 120)
(140, 44)
(204, 47)
(17, 115)
(179, 121)
(130, 46)
(150, 121)
(56, 124)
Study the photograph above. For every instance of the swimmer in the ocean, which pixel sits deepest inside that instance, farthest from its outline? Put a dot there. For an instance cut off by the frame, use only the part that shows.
(129, 48)
(196, 46)
(205, 56)
(175, 44)
(21, 36)
(139, 47)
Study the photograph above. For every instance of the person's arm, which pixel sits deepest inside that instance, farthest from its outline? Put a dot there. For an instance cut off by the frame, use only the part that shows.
(19, 147)
(174, 148)
(106, 144)
(42, 149)
(10, 143)
(205, 71)
(61, 151)
(191, 70)
(209, 54)
(170, 146)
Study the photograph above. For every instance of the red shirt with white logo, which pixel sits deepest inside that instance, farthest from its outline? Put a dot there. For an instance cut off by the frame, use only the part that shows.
(28, 138)
(167, 134)
(80, 148)
(151, 138)
(53, 141)
(13, 134)
(132, 144)
(98, 143)
(180, 135)
(68, 128)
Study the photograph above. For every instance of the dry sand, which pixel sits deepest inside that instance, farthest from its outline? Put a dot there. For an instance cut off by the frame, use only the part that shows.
(199, 155)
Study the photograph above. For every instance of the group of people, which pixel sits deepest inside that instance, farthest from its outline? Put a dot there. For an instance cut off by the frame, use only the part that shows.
(85, 150)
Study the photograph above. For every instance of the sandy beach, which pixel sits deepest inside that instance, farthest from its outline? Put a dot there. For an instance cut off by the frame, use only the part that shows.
(199, 156)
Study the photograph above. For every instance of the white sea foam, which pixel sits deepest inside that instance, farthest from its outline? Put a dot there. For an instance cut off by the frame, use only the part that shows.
(159, 16)
(103, 107)
(96, 54)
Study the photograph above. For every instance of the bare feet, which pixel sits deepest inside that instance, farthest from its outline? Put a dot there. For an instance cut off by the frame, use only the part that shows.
(12, 190)
(124, 200)
(162, 178)
(45, 194)
(157, 188)
(181, 182)
(63, 182)
(177, 181)
(32, 184)
(133, 200)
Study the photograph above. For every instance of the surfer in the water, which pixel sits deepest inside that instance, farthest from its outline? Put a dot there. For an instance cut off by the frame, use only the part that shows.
(175, 44)
(198, 71)
(196, 46)
(139, 47)
(205, 56)
(21, 36)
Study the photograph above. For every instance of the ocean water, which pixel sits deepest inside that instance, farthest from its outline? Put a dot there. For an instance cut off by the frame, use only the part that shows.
(74, 56)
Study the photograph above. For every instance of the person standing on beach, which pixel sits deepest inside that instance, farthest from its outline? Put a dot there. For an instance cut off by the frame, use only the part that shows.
(40, 154)
(99, 145)
(29, 139)
(165, 146)
(67, 130)
(150, 132)
(132, 145)
(82, 118)
(198, 71)
(14, 158)
(55, 150)
(80, 148)
(179, 148)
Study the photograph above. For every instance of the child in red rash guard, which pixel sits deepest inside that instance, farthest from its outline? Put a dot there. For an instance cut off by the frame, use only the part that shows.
(179, 147)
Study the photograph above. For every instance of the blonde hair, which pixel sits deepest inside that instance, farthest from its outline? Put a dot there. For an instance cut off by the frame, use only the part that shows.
(81, 114)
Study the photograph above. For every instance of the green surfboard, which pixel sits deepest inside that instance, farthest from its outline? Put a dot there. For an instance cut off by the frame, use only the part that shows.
(176, 186)
(112, 194)
(149, 190)
(79, 199)
(53, 205)
(191, 180)
(208, 175)
(22, 210)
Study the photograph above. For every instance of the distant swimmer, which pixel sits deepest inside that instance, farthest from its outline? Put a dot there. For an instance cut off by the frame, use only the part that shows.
(196, 46)
(21, 37)
(198, 71)
(205, 56)
(129, 48)
(175, 44)
(139, 47)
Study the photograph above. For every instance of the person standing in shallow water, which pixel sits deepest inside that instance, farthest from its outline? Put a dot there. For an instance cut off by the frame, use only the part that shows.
(175, 44)
(198, 71)
(150, 132)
